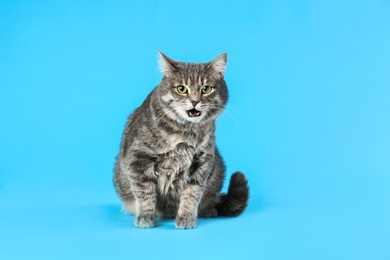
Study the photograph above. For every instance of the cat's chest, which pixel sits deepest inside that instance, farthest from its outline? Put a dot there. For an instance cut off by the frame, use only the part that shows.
(169, 142)
(172, 168)
(172, 140)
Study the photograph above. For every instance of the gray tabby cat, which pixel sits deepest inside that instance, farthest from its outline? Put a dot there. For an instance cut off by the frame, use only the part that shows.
(168, 165)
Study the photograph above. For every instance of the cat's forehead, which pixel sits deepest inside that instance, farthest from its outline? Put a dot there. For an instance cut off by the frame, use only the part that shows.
(192, 68)
(192, 73)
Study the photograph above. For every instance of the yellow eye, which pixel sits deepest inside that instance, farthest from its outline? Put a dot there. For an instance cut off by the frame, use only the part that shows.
(181, 89)
(206, 89)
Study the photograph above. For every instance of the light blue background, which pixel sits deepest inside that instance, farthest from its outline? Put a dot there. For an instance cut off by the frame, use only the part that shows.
(308, 122)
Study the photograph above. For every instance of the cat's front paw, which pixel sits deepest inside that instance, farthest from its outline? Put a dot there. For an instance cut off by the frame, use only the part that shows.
(145, 222)
(185, 222)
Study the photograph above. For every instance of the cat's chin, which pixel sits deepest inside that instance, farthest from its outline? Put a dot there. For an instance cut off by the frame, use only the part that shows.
(194, 119)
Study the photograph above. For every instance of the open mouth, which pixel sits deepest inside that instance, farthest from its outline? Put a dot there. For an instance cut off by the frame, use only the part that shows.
(193, 113)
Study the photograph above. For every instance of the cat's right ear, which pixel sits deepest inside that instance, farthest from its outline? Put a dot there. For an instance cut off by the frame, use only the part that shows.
(218, 65)
(167, 66)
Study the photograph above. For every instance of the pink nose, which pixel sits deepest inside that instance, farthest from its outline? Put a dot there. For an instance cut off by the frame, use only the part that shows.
(194, 103)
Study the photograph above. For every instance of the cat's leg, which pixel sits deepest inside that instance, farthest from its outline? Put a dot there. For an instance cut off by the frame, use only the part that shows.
(211, 196)
(193, 192)
(189, 200)
(123, 188)
(125, 192)
(144, 184)
(172, 169)
(208, 205)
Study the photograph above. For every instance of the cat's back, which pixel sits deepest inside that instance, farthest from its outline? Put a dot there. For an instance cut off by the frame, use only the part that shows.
(136, 122)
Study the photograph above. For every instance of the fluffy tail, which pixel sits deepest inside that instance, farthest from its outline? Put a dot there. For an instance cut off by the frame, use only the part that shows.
(235, 201)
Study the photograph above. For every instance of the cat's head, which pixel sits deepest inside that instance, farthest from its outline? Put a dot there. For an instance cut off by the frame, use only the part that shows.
(193, 92)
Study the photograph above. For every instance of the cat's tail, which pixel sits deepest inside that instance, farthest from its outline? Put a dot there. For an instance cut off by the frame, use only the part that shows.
(234, 202)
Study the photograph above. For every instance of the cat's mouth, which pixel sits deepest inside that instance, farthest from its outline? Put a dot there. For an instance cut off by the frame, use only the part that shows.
(193, 113)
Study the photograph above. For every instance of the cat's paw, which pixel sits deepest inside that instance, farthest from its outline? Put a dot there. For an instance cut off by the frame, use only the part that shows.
(185, 222)
(145, 222)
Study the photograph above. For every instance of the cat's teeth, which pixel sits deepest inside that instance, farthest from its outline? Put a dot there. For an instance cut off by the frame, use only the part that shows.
(193, 113)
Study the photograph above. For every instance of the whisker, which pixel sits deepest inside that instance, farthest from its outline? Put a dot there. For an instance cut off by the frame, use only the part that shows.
(226, 114)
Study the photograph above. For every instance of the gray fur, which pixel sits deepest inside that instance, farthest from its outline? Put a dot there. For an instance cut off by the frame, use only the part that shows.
(168, 165)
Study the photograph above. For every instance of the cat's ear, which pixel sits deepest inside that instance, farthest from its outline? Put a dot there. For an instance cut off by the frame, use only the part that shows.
(218, 65)
(167, 66)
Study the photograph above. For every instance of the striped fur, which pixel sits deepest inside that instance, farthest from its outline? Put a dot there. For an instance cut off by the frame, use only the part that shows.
(168, 165)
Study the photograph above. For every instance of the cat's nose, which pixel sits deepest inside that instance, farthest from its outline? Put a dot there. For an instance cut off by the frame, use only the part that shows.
(194, 103)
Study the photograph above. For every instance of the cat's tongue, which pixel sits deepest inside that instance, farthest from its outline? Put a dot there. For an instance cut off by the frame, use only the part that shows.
(193, 113)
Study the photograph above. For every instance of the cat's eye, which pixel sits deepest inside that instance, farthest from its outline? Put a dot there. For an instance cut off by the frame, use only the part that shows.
(181, 89)
(206, 89)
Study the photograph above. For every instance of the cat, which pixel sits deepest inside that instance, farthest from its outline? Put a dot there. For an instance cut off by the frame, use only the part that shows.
(168, 165)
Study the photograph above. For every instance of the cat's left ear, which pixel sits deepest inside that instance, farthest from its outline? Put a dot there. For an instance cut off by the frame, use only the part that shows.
(218, 65)
(167, 66)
